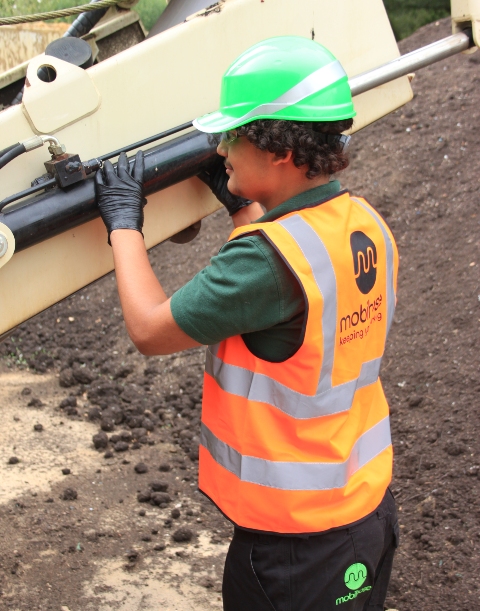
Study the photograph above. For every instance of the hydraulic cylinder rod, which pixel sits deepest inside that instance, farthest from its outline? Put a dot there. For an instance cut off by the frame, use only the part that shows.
(38, 218)
(441, 49)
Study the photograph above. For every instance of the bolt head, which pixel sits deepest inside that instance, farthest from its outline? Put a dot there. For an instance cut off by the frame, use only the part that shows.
(3, 245)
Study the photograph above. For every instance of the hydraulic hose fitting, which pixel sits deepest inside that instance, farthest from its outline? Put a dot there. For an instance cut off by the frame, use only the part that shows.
(36, 142)
(92, 165)
(56, 150)
(32, 143)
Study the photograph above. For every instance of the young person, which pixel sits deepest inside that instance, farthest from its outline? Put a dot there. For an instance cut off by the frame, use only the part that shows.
(295, 442)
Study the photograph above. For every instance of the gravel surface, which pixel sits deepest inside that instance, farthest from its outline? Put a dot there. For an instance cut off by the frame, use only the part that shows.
(98, 472)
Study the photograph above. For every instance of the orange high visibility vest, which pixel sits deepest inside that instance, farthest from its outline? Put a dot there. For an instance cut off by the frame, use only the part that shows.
(304, 445)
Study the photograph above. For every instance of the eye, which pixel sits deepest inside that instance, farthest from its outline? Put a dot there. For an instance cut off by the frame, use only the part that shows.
(230, 136)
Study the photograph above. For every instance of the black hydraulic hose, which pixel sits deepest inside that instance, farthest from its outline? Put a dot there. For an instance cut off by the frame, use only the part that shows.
(43, 216)
(145, 141)
(30, 191)
(81, 26)
(9, 148)
(85, 22)
(136, 145)
(12, 152)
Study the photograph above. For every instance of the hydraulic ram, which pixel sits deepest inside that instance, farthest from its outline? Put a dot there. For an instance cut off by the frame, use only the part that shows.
(441, 49)
(44, 216)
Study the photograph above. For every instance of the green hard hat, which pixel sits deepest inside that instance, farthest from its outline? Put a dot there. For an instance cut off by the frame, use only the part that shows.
(287, 77)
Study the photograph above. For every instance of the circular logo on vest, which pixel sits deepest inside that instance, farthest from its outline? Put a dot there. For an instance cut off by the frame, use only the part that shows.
(355, 576)
(364, 261)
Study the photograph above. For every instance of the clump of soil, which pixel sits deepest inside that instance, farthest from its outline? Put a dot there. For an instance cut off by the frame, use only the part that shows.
(420, 167)
(69, 494)
(182, 535)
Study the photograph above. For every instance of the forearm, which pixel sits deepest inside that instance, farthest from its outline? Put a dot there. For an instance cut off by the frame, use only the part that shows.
(247, 215)
(138, 287)
(146, 307)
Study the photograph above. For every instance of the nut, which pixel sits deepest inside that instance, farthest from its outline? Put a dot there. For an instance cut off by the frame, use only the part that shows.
(57, 149)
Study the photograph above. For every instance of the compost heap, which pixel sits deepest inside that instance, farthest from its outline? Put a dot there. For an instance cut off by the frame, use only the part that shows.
(420, 167)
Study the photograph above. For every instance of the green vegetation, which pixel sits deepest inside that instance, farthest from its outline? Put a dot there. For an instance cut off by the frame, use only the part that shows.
(149, 10)
(406, 16)
(14, 8)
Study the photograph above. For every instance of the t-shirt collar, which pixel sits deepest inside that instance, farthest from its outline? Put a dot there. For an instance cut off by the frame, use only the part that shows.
(317, 194)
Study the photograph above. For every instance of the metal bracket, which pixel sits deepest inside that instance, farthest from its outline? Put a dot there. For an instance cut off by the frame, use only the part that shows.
(465, 14)
(114, 21)
(51, 106)
(7, 244)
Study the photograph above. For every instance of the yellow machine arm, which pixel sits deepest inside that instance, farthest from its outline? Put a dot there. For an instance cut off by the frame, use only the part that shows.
(163, 82)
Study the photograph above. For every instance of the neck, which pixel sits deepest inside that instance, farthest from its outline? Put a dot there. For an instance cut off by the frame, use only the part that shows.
(290, 189)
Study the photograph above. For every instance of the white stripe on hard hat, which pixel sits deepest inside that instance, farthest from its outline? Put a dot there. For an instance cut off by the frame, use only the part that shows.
(314, 82)
(318, 80)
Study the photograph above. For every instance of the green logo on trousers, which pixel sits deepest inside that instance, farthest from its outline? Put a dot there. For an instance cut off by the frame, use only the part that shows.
(355, 575)
(354, 578)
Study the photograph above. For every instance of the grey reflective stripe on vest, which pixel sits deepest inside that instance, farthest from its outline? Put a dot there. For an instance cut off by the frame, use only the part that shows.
(316, 254)
(259, 387)
(328, 399)
(299, 475)
(389, 250)
(314, 82)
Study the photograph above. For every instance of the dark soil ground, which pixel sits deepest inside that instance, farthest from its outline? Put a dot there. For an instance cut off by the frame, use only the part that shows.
(420, 167)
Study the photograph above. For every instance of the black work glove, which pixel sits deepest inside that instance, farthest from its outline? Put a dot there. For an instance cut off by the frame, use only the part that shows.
(120, 195)
(216, 178)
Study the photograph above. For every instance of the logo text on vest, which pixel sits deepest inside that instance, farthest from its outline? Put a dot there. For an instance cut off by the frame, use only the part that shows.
(367, 314)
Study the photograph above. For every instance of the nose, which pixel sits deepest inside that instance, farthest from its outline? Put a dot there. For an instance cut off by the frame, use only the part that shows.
(222, 148)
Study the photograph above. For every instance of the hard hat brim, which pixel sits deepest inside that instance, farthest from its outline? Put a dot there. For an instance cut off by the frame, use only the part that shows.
(217, 122)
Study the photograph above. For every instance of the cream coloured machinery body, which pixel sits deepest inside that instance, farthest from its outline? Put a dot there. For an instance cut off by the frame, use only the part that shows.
(158, 84)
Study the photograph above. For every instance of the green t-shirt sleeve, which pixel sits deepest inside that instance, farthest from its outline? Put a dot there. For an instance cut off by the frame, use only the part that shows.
(246, 288)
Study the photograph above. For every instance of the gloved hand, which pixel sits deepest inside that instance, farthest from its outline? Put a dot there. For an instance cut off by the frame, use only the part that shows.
(216, 178)
(120, 195)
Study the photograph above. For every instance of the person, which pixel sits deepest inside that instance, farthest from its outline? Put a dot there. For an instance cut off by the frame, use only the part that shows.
(295, 444)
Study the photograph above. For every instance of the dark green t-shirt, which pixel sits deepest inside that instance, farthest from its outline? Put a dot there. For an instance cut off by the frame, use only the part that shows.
(248, 290)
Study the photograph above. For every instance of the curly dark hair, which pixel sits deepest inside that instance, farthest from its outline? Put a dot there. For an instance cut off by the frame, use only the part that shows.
(309, 147)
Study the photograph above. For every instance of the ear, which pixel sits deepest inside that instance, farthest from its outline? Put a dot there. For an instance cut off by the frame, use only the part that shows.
(285, 159)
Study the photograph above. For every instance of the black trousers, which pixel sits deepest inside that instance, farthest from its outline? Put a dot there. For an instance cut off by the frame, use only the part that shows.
(345, 569)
